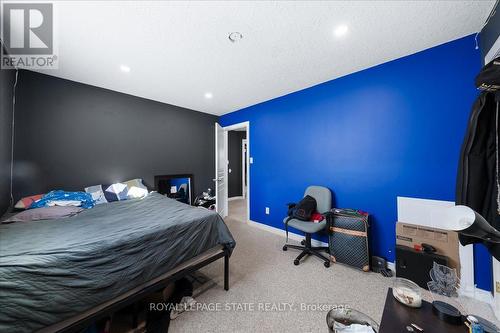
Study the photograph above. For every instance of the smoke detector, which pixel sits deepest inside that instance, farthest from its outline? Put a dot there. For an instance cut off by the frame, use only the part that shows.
(235, 36)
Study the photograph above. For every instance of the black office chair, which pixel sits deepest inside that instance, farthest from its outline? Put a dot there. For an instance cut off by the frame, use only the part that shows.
(323, 198)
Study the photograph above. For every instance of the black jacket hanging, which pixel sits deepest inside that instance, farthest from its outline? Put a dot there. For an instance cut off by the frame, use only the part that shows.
(477, 178)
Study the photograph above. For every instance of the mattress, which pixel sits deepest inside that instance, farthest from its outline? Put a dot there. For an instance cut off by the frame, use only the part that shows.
(55, 269)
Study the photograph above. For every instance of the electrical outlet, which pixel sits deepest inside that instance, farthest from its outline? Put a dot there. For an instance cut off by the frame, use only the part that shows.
(498, 286)
(267, 210)
(251, 160)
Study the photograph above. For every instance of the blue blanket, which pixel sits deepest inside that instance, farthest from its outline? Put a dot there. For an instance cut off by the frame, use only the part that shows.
(83, 197)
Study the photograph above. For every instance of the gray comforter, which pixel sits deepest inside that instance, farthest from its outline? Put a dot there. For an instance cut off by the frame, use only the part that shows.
(54, 269)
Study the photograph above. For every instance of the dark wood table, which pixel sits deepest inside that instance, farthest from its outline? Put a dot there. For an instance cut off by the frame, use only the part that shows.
(397, 316)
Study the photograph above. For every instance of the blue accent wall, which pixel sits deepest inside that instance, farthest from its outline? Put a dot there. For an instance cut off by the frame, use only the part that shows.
(391, 130)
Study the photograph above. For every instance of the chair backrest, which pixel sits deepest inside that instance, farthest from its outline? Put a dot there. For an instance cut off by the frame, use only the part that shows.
(323, 197)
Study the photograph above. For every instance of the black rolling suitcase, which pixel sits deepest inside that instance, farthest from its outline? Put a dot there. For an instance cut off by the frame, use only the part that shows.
(348, 238)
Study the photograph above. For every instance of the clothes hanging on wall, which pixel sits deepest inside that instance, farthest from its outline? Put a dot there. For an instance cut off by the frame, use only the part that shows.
(478, 169)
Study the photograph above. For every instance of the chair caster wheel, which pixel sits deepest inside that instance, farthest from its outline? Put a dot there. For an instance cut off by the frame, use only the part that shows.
(296, 262)
(285, 248)
(302, 242)
(326, 264)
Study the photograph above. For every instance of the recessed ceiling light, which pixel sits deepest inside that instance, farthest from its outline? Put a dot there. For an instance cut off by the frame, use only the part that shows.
(124, 68)
(208, 95)
(341, 30)
(235, 36)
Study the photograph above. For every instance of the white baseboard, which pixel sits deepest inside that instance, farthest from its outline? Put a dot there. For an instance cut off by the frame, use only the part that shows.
(282, 233)
(235, 198)
(392, 267)
(484, 296)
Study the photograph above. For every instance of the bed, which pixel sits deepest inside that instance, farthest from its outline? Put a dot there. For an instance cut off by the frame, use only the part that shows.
(58, 275)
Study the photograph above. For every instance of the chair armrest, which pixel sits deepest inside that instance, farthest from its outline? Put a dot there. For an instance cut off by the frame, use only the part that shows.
(291, 205)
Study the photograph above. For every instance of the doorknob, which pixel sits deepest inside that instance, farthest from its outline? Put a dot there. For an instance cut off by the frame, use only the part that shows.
(217, 179)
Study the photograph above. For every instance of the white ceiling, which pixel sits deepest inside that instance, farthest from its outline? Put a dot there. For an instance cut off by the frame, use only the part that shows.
(178, 51)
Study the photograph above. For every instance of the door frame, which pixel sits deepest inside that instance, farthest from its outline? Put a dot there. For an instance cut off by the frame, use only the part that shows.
(218, 200)
(246, 126)
(243, 167)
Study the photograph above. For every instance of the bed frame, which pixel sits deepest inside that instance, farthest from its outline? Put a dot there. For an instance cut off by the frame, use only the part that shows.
(85, 319)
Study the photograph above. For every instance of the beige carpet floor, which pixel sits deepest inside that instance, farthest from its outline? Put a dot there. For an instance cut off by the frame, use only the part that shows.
(263, 277)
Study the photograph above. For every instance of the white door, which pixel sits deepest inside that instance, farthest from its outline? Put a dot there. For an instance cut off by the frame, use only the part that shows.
(220, 169)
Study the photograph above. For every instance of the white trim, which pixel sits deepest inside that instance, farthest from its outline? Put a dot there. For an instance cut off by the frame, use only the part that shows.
(233, 127)
(226, 174)
(282, 233)
(243, 166)
(216, 179)
(246, 125)
(235, 198)
(248, 170)
(466, 254)
(392, 266)
(483, 296)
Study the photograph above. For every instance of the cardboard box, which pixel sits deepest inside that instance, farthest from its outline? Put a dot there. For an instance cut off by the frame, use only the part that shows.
(446, 242)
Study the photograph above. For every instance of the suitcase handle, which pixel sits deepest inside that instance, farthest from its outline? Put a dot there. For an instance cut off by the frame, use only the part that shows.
(348, 212)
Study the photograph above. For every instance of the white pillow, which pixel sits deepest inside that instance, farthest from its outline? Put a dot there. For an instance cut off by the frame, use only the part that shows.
(97, 194)
(136, 188)
(137, 192)
(116, 192)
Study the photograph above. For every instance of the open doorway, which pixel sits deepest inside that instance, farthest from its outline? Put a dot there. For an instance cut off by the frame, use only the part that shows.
(236, 170)
(232, 171)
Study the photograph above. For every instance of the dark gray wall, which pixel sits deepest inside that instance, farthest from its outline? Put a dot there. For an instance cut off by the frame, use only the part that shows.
(71, 135)
(490, 33)
(234, 156)
(6, 87)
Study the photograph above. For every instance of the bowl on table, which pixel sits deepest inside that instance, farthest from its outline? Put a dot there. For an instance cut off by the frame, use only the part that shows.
(407, 292)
